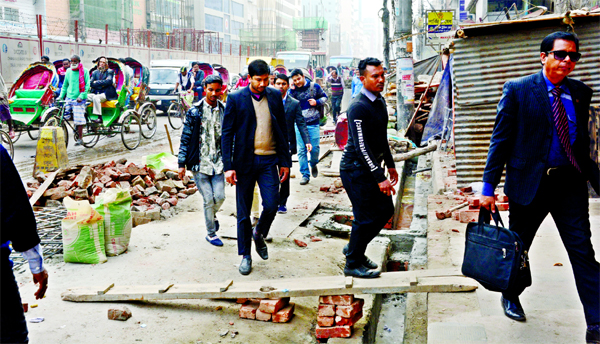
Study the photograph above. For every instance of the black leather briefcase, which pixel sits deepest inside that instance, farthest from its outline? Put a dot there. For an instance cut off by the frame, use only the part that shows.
(494, 255)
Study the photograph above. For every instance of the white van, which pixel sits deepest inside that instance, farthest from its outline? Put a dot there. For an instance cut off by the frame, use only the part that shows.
(163, 77)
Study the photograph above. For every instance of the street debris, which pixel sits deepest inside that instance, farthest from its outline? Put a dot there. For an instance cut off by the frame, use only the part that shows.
(300, 243)
(121, 313)
(36, 320)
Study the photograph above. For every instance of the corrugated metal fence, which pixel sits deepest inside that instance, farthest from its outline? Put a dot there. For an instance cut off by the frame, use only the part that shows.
(487, 58)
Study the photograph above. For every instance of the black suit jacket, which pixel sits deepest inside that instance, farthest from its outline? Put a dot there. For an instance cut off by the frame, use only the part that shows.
(104, 83)
(293, 114)
(239, 126)
(523, 134)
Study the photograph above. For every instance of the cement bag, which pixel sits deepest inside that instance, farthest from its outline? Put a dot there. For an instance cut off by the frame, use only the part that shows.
(83, 233)
(115, 206)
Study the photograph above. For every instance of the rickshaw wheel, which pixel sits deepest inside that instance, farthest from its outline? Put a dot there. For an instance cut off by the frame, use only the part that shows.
(17, 132)
(149, 120)
(90, 135)
(53, 122)
(34, 133)
(176, 115)
(131, 130)
(7, 143)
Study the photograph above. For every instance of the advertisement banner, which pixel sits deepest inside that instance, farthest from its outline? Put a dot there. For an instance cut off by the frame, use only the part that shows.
(407, 81)
(440, 26)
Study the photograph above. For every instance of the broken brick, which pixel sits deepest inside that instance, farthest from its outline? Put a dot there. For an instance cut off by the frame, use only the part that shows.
(248, 310)
(50, 192)
(124, 185)
(502, 206)
(110, 164)
(440, 215)
(326, 310)
(338, 300)
(333, 332)
(34, 185)
(285, 314)
(300, 243)
(151, 190)
(190, 191)
(111, 184)
(124, 176)
(473, 202)
(96, 189)
(325, 321)
(315, 239)
(452, 173)
(351, 310)
(273, 305)
(136, 171)
(138, 181)
(241, 300)
(121, 313)
(148, 181)
(172, 201)
(166, 206)
(324, 188)
(341, 321)
(263, 316)
(501, 198)
(468, 215)
(466, 189)
(182, 195)
(105, 179)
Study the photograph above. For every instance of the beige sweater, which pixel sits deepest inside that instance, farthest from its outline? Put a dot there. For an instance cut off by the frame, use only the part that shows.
(264, 143)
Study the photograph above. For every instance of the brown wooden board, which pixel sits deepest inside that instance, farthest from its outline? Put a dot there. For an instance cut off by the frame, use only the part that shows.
(428, 281)
(40, 191)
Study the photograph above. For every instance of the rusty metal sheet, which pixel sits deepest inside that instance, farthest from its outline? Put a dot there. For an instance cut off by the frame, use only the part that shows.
(484, 62)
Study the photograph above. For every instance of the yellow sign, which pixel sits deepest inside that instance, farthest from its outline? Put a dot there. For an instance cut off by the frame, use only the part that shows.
(442, 19)
(51, 152)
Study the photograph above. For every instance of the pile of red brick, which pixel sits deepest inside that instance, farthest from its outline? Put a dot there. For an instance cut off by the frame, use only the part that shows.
(275, 310)
(149, 189)
(337, 315)
(466, 195)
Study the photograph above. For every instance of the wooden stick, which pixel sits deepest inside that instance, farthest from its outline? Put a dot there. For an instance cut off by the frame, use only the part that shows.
(162, 291)
(102, 292)
(423, 96)
(169, 137)
(458, 207)
(40, 191)
(414, 153)
(226, 286)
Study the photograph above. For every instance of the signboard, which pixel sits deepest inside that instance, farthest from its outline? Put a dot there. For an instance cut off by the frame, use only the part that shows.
(439, 26)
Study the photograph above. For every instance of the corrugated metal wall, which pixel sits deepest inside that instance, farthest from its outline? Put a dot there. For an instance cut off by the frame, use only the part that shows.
(489, 57)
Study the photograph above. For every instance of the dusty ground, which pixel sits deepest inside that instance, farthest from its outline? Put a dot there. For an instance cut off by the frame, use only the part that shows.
(175, 251)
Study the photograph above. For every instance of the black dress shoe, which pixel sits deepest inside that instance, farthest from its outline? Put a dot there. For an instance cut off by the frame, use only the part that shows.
(368, 263)
(246, 265)
(513, 310)
(361, 271)
(592, 336)
(261, 246)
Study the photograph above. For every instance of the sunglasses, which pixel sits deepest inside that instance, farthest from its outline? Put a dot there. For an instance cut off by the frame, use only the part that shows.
(561, 55)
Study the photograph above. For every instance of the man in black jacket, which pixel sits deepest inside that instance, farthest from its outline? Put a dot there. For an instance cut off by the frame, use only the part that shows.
(293, 115)
(102, 86)
(362, 175)
(200, 151)
(18, 228)
(255, 145)
(541, 135)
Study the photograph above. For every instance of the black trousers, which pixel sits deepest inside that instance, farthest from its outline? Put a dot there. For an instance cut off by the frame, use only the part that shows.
(264, 172)
(372, 210)
(13, 328)
(565, 196)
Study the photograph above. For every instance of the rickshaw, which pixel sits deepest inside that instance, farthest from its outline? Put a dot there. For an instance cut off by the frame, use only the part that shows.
(138, 101)
(30, 96)
(116, 116)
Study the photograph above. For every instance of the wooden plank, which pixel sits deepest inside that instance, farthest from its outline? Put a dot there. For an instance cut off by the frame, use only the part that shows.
(388, 283)
(40, 191)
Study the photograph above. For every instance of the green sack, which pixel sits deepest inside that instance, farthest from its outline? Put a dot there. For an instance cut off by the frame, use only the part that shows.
(115, 206)
(161, 161)
(83, 233)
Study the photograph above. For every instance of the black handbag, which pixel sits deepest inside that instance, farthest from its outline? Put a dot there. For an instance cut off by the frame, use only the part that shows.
(494, 255)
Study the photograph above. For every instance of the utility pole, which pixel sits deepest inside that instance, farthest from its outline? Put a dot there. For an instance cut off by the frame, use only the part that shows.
(405, 83)
(385, 18)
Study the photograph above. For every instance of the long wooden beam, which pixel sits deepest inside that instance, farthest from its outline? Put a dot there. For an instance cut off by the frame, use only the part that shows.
(430, 281)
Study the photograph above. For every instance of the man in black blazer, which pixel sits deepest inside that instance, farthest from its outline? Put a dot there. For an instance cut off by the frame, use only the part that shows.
(541, 135)
(102, 86)
(293, 115)
(255, 146)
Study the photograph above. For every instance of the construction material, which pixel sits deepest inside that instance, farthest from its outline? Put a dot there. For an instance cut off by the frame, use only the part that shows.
(433, 281)
(40, 191)
(343, 311)
(51, 151)
(114, 206)
(169, 138)
(419, 151)
(275, 310)
(83, 233)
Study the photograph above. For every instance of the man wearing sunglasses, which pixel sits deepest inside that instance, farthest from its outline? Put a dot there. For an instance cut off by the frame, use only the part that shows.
(541, 135)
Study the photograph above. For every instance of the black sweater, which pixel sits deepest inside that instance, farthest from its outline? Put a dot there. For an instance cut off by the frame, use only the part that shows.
(367, 143)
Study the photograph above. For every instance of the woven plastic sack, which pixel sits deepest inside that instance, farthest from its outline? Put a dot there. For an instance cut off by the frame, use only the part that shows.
(187, 98)
(83, 233)
(115, 206)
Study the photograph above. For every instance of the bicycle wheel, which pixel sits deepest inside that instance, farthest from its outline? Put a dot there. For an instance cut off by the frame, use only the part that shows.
(90, 134)
(131, 130)
(149, 120)
(53, 122)
(176, 115)
(7, 143)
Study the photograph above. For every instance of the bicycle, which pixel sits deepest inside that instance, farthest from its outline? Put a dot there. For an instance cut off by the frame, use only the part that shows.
(7, 143)
(176, 112)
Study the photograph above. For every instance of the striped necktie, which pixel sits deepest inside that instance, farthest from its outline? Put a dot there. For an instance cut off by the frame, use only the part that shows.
(562, 127)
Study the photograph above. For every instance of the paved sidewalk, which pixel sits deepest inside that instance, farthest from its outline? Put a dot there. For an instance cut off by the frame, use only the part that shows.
(554, 312)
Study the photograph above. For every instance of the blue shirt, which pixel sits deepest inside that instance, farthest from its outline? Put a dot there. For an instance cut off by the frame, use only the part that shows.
(356, 86)
(557, 156)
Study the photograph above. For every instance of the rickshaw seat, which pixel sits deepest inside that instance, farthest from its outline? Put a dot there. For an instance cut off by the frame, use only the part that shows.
(32, 94)
(136, 93)
(107, 104)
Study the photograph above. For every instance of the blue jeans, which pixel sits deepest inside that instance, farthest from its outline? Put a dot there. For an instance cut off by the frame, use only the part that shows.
(314, 134)
(264, 172)
(336, 104)
(212, 189)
